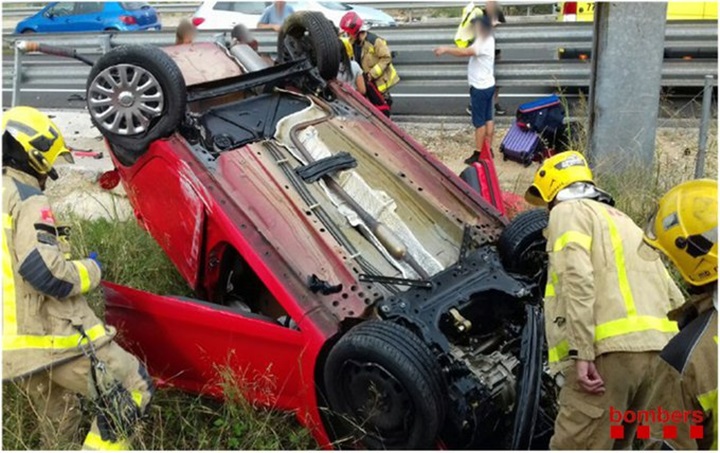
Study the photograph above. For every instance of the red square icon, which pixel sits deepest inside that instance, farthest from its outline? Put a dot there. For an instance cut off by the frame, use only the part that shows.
(643, 432)
(617, 432)
(669, 432)
(696, 432)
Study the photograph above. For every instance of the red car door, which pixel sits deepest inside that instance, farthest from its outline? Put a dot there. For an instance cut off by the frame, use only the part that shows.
(168, 202)
(195, 345)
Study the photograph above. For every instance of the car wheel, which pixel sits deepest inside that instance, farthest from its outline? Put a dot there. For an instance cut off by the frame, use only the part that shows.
(309, 34)
(27, 31)
(522, 244)
(135, 95)
(384, 388)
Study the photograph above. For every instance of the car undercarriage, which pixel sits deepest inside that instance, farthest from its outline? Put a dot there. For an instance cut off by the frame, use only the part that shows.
(433, 325)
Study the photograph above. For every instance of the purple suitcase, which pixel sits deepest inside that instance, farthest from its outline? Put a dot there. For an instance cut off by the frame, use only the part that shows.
(521, 145)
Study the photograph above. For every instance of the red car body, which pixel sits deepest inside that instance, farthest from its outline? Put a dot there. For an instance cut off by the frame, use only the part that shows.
(282, 273)
(196, 214)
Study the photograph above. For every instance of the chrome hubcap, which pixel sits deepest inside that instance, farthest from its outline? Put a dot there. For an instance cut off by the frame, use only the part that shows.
(124, 99)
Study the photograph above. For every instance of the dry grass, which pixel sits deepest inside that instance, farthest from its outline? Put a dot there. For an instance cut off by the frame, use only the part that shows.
(176, 421)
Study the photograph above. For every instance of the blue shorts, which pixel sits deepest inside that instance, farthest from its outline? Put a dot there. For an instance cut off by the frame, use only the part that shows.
(481, 104)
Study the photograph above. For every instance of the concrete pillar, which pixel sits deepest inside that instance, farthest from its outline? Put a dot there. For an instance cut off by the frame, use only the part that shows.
(627, 57)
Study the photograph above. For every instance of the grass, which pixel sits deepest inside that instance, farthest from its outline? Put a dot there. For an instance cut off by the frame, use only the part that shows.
(175, 420)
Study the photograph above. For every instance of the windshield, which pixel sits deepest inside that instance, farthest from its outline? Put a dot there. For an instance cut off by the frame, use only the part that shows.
(337, 6)
(134, 6)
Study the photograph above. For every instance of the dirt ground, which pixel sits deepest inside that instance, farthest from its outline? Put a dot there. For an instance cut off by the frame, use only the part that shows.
(676, 150)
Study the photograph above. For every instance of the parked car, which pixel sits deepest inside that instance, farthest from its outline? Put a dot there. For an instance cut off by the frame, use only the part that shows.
(339, 268)
(220, 15)
(58, 17)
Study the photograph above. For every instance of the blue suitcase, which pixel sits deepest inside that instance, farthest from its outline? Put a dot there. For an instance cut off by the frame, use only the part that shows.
(521, 145)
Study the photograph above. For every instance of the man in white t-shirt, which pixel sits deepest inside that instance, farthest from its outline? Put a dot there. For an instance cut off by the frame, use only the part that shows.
(481, 76)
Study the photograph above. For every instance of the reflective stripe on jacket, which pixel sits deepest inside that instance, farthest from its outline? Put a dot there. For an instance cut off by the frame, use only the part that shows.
(601, 296)
(686, 380)
(465, 33)
(376, 60)
(42, 289)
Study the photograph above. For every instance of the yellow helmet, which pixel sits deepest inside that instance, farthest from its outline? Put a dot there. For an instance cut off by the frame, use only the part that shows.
(348, 47)
(685, 228)
(555, 174)
(39, 137)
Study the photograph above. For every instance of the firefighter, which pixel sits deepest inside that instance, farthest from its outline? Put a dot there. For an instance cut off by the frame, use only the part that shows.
(372, 53)
(54, 346)
(605, 307)
(685, 229)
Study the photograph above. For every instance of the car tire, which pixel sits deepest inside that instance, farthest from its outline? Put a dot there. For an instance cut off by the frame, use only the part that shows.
(383, 360)
(156, 105)
(27, 31)
(311, 34)
(522, 244)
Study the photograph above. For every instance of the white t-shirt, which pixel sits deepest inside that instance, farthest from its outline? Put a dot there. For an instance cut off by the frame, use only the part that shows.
(481, 67)
(349, 76)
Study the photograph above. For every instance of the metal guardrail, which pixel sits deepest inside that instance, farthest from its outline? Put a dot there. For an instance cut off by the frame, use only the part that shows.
(420, 71)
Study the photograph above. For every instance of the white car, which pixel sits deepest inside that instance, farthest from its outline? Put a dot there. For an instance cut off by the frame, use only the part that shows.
(218, 15)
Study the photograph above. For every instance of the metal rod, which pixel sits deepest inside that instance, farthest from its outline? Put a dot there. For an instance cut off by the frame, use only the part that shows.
(704, 126)
(17, 74)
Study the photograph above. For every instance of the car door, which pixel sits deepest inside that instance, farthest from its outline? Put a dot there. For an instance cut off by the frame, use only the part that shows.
(56, 18)
(195, 345)
(87, 16)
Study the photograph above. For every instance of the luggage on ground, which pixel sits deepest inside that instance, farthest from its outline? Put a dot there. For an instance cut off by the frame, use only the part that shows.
(522, 145)
(544, 116)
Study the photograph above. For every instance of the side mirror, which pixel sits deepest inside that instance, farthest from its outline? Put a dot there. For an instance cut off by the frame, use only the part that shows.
(50, 15)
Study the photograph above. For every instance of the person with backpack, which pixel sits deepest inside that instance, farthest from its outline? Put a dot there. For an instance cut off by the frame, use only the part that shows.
(481, 75)
(465, 35)
(372, 54)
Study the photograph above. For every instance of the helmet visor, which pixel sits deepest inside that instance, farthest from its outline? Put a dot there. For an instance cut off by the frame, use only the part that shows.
(647, 252)
(650, 231)
(67, 155)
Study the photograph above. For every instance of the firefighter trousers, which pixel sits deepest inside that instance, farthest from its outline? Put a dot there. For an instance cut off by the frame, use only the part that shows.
(54, 394)
(584, 420)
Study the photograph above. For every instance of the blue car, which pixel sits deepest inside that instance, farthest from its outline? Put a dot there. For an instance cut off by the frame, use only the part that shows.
(58, 17)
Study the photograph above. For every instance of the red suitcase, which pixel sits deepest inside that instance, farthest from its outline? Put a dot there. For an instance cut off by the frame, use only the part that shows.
(481, 176)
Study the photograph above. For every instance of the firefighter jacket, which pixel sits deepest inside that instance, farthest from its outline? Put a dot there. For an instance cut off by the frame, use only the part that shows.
(42, 290)
(686, 380)
(374, 56)
(601, 296)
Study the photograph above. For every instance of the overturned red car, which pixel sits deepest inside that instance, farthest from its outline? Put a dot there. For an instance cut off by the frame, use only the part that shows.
(334, 261)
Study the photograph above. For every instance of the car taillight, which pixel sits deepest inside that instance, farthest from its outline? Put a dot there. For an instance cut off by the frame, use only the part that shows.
(128, 20)
(569, 8)
(197, 21)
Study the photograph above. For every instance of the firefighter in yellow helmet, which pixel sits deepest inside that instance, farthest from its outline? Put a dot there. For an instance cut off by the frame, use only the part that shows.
(685, 229)
(53, 343)
(605, 307)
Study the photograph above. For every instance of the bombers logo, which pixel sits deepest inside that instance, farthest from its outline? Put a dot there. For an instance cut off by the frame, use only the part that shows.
(668, 419)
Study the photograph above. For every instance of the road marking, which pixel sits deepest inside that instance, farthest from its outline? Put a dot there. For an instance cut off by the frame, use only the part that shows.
(460, 95)
(43, 90)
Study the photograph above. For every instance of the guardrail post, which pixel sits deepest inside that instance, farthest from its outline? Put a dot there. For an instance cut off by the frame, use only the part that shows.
(625, 79)
(704, 126)
(17, 75)
(105, 44)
